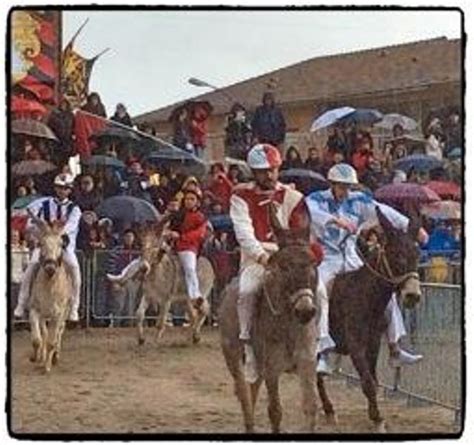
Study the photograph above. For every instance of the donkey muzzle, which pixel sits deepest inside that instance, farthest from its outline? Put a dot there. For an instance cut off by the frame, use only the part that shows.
(411, 292)
(49, 267)
(303, 305)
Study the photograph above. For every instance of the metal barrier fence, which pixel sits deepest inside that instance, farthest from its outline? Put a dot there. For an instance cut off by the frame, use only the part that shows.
(434, 329)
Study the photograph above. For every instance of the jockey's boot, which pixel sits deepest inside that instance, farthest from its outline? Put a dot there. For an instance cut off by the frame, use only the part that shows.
(25, 288)
(324, 365)
(401, 358)
(74, 314)
(250, 364)
(128, 272)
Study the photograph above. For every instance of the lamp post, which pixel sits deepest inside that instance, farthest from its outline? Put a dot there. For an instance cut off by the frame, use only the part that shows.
(201, 83)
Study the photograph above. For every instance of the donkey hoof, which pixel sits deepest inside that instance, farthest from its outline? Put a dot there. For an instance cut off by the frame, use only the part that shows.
(32, 358)
(380, 427)
(196, 338)
(331, 419)
(55, 359)
(141, 341)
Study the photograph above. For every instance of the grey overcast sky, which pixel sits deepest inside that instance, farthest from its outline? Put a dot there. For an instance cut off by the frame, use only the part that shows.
(153, 53)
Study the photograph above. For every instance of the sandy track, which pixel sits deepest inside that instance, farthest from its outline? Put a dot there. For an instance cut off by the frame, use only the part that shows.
(106, 384)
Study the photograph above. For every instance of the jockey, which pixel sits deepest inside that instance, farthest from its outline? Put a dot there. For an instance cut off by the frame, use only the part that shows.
(53, 209)
(189, 233)
(334, 213)
(188, 229)
(249, 211)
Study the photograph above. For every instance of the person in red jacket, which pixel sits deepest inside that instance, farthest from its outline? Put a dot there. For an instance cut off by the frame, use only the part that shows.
(189, 233)
(220, 185)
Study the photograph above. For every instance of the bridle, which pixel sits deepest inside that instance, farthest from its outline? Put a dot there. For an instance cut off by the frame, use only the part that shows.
(383, 270)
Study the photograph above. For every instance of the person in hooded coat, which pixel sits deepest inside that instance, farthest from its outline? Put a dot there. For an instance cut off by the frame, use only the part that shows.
(268, 123)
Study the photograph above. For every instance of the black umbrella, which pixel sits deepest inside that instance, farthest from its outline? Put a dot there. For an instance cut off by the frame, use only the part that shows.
(306, 181)
(128, 210)
(32, 127)
(418, 163)
(101, 160)
(116, 134)
(362, 116)
(175, 156)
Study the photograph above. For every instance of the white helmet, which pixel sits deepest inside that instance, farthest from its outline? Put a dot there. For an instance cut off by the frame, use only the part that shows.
(263, 156)
(64, 180)
(343, 173)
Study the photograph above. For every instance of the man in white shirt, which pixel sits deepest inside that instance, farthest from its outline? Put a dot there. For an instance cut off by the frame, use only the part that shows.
(59, 208)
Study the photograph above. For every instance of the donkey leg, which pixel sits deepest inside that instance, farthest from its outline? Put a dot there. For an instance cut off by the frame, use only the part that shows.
(243, 393)
(51, 344)
(274, 405)
(59, 341)
(161, 323)
(308, 392)
(199, 321)
(36, 340)
(44, 342)
(327, 404)
(143, 306)
(254, 389)
(369, 388)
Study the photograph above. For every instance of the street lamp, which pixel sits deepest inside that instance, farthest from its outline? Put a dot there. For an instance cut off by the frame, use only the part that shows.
(201, 83)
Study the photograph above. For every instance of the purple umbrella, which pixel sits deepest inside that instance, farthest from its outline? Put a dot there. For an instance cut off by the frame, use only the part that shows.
(406, 193)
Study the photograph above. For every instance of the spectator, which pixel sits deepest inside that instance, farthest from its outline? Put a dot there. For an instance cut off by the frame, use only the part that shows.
(235, 175)
(398, 131)
(453, 131)
(121, 116)
(138, 181)
(86, 196)
(94, 105)
(399, 176)
(337, 141)
(238, 133)
(61, 121)
(268, 123)
(181, 128)
(292, 159)
(86, 224)
(198, 127)
(106, 233)
(434, 139)
(220, 185)
(313, 161)
(363, 154)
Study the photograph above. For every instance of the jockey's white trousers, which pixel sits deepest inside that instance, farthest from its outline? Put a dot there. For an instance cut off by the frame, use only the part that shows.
(327, 270)
(188, 260)
(71, 263)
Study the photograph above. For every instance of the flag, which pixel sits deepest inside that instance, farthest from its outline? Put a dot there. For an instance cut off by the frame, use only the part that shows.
(76, 71)
(85, 125)
(35, 52)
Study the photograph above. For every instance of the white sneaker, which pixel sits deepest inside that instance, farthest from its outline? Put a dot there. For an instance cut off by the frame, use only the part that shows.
(324, 367)
(404, 358)
(250, 365)
(74, 315)
(114, 278)
(19, 312)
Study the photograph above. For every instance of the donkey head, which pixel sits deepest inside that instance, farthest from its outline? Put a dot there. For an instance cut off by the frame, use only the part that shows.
(402, 255)
(291, 279)
(51, 245)
(151, 238)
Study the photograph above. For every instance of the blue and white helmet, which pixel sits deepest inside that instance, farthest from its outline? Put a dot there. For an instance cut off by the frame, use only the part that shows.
(343, 173)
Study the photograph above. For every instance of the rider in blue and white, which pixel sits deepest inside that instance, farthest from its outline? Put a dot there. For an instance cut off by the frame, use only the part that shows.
(335, 213)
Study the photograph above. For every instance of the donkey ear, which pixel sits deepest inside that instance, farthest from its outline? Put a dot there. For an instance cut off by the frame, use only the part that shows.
(414, 225)
(385, 223)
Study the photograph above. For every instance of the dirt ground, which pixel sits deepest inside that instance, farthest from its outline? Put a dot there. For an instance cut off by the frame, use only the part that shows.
(105, 383)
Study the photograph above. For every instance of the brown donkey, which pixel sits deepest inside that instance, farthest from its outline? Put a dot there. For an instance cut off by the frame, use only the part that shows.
(284, 331)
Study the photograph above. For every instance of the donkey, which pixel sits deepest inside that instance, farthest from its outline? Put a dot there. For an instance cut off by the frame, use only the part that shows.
(51, 291)
(163, 283)
(284, 331)
(357, 305)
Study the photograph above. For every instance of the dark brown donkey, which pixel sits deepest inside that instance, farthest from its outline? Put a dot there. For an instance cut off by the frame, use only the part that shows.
(284, 331)
(357, 305)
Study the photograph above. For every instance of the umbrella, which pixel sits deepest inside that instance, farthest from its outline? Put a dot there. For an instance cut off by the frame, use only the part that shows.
(306, 181)
(31, 127)
(362, 116)
(417, 162)
(442, 210)
(330, 117)
(107, 161)
(24, 201)
(445, 189)
(27, 168)
(127, 210)
(455, 153)
(392, 119)
(116, 133)
(406, 193)
(173, 155)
